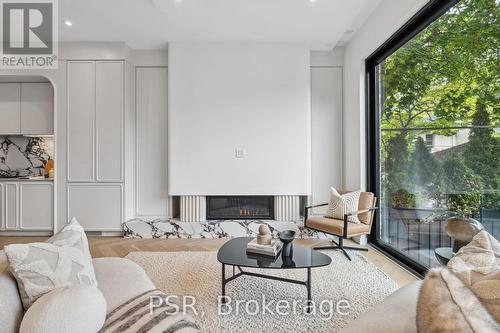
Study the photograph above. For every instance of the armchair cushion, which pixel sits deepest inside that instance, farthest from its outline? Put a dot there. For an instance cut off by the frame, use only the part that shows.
(366, 201)
(335, 226)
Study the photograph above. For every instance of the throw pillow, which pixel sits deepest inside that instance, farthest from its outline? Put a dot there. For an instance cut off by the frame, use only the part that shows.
(477, 264)
(42, 267)
(446, 304)
(138, 315)
(72, 235)
(339, 205)
(76, 309)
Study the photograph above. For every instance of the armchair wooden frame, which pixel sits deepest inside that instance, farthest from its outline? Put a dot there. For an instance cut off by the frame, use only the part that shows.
(340, 243)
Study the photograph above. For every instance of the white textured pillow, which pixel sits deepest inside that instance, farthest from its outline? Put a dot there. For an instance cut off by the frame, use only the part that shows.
(343, 204)
(41, 267)
(76, 309)
(72, 235)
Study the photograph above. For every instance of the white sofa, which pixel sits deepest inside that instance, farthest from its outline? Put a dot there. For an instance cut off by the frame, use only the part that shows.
(118, 279)
(396, 314)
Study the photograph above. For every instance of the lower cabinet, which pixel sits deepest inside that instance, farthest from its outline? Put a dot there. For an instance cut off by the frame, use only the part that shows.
(27, 206)
(97, 206)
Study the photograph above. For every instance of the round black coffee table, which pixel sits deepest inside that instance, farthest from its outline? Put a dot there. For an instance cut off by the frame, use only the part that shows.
(234, 253)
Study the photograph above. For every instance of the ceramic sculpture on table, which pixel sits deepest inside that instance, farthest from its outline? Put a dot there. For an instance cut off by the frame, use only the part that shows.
(264, 236)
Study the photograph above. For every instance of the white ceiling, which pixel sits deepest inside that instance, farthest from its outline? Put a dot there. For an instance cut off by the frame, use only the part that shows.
(151, 24)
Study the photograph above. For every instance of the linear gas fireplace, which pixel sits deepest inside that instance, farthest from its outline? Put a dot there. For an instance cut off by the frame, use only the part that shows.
(240, 207)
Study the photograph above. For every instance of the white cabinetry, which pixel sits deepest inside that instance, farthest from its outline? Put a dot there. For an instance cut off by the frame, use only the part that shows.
(81, 121)
(95, 121)
(27, 206)
(95, 143)
(151, 127)
(109, 121)
(10, 108)
(98, 207)
(37, 108)
(2, 207)
(326, 122)
(11, 205)
(26, 108)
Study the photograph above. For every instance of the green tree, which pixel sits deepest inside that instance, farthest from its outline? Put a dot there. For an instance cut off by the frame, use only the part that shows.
(396, 164)
(439, 79)
(438, 76)
(482, 153)
(424, 169)
(461, 187)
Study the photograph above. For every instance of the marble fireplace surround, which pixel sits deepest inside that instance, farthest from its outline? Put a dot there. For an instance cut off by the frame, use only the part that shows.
(173, 229)
(193, 224)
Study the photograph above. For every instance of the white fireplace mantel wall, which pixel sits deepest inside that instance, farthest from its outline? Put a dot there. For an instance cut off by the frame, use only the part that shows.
(225, 97)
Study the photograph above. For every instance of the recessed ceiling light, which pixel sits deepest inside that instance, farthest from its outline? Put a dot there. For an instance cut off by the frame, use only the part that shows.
(312, 1)
(68, 23)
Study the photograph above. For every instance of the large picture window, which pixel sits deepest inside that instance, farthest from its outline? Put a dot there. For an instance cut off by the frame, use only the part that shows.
(434, 136)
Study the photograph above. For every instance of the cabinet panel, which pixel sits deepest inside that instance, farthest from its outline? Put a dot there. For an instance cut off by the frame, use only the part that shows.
(36, 206)
(11, 206)
(96, 206)
(326, 121)
(10, 108)
(2, 207)
(151, 160)
(109, 121)
(80, 127)
(37, 108)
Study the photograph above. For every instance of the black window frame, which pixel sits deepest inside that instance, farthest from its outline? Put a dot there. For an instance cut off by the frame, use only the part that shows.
(421, 20)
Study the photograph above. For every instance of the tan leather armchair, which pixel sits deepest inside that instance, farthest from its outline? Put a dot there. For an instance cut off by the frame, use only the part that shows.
(344, 228)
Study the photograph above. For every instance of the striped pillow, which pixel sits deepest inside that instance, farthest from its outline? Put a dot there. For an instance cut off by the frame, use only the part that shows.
(342, 204)
(135, 315)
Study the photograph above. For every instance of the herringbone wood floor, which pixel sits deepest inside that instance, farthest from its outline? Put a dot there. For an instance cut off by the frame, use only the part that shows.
(120, 247)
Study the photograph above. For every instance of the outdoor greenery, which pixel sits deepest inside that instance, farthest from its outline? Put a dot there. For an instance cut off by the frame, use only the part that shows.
(445, 78)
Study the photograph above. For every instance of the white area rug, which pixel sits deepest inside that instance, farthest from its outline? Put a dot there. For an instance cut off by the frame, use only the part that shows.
(198, 274)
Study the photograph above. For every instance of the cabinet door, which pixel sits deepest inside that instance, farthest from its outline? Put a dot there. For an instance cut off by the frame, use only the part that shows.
(80, 122)
(109, 121)
(36, 206)
(326, 131)
(151, 122)
(37, 108)
(2, 206)
(11, 206)
(98, 207)
(10, 108)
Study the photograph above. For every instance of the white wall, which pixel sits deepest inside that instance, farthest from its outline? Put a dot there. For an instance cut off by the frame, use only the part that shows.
(225, 96)
(385, 20)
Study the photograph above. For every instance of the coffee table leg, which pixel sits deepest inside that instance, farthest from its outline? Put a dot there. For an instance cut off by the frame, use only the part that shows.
(223, 283)
(308, 286)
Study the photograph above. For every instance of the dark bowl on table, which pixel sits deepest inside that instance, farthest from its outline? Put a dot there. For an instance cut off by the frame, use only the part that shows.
(287, 236)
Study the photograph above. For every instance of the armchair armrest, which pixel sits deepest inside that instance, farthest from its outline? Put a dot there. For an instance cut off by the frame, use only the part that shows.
(319, 205)
(355, 213)
(306, 211)
(361, 211)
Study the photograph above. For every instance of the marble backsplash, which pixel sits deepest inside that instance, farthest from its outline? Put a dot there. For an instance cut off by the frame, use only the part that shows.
(22, 156)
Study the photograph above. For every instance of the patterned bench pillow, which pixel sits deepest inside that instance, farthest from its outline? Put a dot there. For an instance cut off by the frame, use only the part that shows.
(138, 315)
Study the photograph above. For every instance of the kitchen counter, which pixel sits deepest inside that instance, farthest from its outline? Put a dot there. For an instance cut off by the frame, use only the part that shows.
(2, 180)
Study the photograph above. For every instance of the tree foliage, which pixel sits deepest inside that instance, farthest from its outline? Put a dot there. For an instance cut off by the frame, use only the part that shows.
(424, 170)
(440, 74)
(447, 76)
(482, 153)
